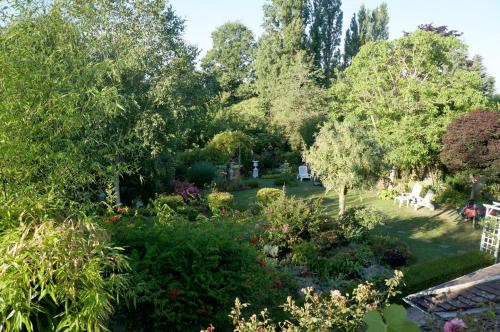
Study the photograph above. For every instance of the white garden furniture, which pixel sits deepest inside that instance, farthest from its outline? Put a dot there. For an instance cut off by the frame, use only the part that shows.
(303, 173)
(409, 197)
(424, 202)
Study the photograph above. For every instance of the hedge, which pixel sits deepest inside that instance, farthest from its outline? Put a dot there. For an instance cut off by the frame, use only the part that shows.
(424, 275)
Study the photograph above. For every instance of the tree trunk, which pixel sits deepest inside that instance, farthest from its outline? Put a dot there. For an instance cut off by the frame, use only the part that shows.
(117, 190)
(342, 194)
(392, 177)
(476, 186)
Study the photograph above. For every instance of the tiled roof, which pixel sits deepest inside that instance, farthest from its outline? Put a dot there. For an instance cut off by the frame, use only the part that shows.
(474, 292)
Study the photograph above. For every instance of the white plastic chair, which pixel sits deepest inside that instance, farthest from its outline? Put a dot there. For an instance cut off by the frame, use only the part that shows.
(424, 202)
(409, 197)
(303, 173)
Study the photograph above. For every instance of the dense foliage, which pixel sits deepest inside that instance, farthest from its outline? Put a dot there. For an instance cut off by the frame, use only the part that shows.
(59, 276)
(344, 312)
(111, 132)
(187, 276)
(343, 157)
(292, 219)
(472, 145)
(409, 96)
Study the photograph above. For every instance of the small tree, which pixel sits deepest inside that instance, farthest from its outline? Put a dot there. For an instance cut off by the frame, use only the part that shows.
(232, 144)
(472, 145)
(343, 157)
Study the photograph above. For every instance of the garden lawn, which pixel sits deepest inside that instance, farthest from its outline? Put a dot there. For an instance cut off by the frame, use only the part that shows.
(430, 234)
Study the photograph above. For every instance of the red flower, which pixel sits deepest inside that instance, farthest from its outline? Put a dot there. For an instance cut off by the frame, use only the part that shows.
(114, 218)
(261, 262)
(122, 210)
(174, 293)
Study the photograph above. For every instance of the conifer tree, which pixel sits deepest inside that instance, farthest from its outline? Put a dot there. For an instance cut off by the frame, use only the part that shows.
(325, 33)
(368, 25)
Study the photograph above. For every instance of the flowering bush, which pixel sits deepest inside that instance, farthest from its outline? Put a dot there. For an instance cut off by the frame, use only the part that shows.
(334, 312)
(292, 219)
(188, 191)
(455, 325)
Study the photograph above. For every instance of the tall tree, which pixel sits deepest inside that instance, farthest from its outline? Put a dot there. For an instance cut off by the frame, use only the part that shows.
(325, 34)
(108, 80)
(488, 81)
(231, 59)
(409, 97)
(299, 105)
(352, 41)
(286, 75)
(368, 25)
(283, 43)
(379, 23)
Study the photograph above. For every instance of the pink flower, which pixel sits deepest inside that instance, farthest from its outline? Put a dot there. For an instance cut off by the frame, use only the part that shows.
(454, 325)
(336, 293)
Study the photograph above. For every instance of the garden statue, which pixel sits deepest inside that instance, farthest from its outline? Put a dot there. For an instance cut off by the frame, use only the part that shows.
(231, 170)
(255, 173)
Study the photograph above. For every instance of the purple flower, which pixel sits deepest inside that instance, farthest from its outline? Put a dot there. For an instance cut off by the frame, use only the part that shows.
(187, 190)
(454, 325)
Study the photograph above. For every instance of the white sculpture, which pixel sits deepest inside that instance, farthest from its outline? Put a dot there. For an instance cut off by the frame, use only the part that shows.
(255, 173)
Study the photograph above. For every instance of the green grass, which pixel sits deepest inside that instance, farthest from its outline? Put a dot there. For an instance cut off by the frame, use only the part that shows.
(430, 234)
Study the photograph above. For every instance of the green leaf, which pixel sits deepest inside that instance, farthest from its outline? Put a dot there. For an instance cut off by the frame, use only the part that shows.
(405, 326)
(394, 314)
(374, 321)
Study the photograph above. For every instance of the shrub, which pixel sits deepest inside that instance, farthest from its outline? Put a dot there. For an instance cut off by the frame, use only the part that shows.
(266, 196)
(291, 219)
(191, 157)
(167, 206)
(172, 201)
(347, 262)
(187, 275)
(387, 194)
(427, 274)
(218, 201)
(188, 191)
(390, 250)
(358, 221)
(332, 312)
(58, 277)
(201, 173)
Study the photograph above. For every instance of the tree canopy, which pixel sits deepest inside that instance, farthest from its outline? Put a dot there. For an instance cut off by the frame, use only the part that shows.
(408, 90)
(472, 144)
(343, 157)
(231, 59)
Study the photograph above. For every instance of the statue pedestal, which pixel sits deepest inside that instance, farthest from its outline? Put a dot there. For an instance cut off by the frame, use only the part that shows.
(255, 172)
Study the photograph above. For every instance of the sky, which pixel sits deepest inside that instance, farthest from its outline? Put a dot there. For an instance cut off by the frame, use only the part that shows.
(479, 20)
